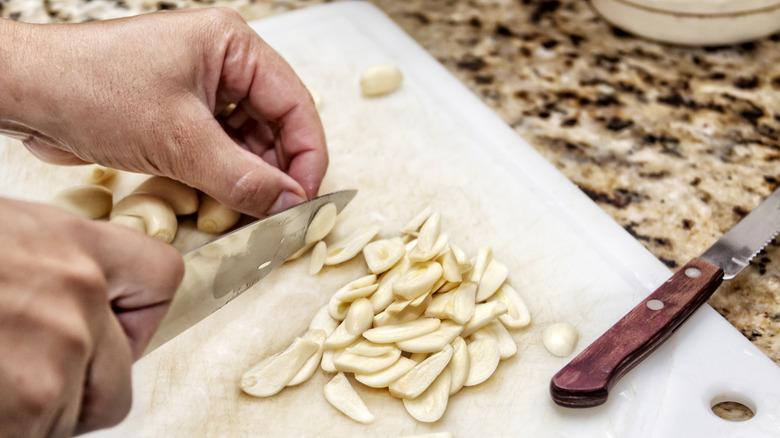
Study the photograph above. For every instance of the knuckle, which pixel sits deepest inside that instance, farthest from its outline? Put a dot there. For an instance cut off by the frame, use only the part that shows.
(250, 193)
(75, 338)
(223, 15)
(41, 394)
(83, 275)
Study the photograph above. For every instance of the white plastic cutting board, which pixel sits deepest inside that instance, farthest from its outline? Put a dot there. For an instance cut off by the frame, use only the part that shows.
(433, 142)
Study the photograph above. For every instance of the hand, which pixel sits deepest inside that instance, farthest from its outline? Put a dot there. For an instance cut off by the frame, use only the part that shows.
(79, 300)
(141, 94)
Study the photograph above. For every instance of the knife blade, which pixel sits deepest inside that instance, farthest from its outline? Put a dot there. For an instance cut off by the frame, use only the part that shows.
(221, 270)
(587, 379)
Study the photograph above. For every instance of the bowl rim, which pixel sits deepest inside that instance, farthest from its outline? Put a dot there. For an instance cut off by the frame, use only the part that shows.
(772, 7)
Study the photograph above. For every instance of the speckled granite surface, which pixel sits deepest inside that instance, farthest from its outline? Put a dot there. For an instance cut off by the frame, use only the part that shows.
(676, 144)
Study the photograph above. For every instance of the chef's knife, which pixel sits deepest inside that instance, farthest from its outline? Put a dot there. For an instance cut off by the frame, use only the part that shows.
(221, 270)
(587, 379)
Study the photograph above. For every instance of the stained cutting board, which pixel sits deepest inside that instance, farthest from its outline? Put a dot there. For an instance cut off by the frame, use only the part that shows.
(435, 143)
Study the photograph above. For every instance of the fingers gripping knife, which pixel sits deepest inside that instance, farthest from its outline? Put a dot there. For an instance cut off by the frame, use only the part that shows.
(587, 379)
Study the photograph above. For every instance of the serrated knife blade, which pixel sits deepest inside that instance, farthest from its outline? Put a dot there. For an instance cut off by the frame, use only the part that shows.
(587, 379)
(223, 269)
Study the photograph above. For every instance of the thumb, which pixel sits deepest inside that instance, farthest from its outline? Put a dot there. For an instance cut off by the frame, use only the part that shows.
(237, 178)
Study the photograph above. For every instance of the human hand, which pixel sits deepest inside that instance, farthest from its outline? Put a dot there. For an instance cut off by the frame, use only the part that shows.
(141, 94)
(79, 300)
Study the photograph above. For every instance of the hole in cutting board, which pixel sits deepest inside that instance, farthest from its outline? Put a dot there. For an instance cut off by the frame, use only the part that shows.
(733, 408)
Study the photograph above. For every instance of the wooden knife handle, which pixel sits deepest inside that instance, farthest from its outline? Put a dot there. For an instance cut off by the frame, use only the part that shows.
(587, 379)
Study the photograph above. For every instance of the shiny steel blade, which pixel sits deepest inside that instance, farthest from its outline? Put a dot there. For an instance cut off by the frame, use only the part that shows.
(733, 251)
(221, 270)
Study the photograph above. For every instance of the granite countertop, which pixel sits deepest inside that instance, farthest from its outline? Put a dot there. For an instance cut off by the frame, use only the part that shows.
(676, 144)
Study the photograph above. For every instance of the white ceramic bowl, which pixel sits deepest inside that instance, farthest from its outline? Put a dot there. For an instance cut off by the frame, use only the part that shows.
(694, 22)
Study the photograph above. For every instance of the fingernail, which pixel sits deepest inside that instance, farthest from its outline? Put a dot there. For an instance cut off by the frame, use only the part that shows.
(284, 201)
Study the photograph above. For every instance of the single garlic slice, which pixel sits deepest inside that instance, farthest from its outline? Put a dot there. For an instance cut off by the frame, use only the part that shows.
(419, 378)
(348, 294)
(317, 260)
(323, 321)
(494, 276)
(560, 339)
(418, 357)
(383, 296)
(450, 268)
(420, 300)
(327, 364)
(353, 363)
(383, 378)
(517, 315)
(322, 223)
(484, 255)
(431, 404)
(337, 309)
(379, 80)
(398, 306)
(359, 317)
(429, 232)
(342, 396)
(459, 365)
(484, 314)
(484, 356)
(386, 318)
(419, 255)
(369, 349)
(447, 286)
(419, 279)
(381, 255)
(463, 262)
(300, 252)
(457, 305)
(434, 341)
(341, 337)
(414, 225)
(506, 344)
(308, 369)
(342, 251)
(400, 332)
(271, 375)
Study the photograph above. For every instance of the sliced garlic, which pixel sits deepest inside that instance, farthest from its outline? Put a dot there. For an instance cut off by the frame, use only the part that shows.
(419, 378)
(413, 225)
(379, 80)
(271, 375)
(300, 252)
(484, 314)
(433, 341)
(353, 363)
(459, 365)
(484, 256)
(431, 404)
(337, 309)
(447, 286)
(359, 317)
(307, 370)
(383, 378)
(419, 279)
(450, 268)
(400, 332)
(323, 321)
(484, 356)
(317, 260)
(322, 223)
(389, 318)
(342, 396)
(340, 252)
(419, 255)
(517, 315)
(381, 255)
(494, 276)
(429, 233)
(369, 349)
(457, 305)
(463, 262)
(560, 339)
(506, 344)
(347, 294)
(383, 296)
(419, 300)
(418, 357)
(327, 364)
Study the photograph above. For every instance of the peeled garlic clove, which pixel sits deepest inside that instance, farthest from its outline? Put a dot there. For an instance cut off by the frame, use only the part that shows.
(429, 232)
(322, 223)
(506, 344)
(317, 260)
(379, 80)
(459, 365)
(327, 364)
(133, 222)
(381, 255)
(433, 341)
(484, 314)
(340, 394)
(494, 276)
(359, 317)
(100, 174)
(307, 370)
(419, 279)
(215, 218)
(87, 201)
(400, 332)
(383, 378)
(369, 349)
(181, 197)
(517, 315)
(413, 225)
(431, 404)
(323, 321)
(353, 363)
(560, 339)
(484, 256)
(484, 356)
(450, 268)
(419, 378)
(271, 375)
(345, 250)
(158, 216)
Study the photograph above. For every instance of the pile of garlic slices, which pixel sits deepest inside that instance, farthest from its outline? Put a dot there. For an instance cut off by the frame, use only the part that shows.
(426, 321)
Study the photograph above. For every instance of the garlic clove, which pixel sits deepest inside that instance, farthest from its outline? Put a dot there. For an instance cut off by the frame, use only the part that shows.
(429, 232)
(271, 375)
(133, 222)
(459, 365)
(213, 217)
(484, 314)
(359, 317)
(383, 378)
(431, 404)
(494, 276)
(327, 364)
(419, 378)
(366, 280)
(381, 255)
(342, 396)
(353, 363)
(307, 370)
(100, 175)
(158, 216)
(345, 250)
(87, 201)
(413, 225)
(484, 356)
(182, 198)
(400, 332)
(506, 344)
(322, 223)
(433, 341)
(369, 349)
(484, 255)
(560, 339)
(323, 321)
(317, 260)
(379, 80)
(517, 315)
(419, 279)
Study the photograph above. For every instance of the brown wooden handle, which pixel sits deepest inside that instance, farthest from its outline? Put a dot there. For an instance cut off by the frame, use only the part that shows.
(587, 379)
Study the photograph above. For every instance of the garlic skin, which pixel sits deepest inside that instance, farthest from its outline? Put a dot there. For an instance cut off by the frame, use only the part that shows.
(560, 339)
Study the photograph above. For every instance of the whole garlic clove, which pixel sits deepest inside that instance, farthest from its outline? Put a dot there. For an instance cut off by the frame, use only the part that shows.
(342, 396)
(381, 255)
(494, 276)
(383, 378)
(484, 356)
(87, 201)
(506, 344)
(353, 363)
(345, 250)
(400, 332)
(317, 260)
(431, 404)
(215, 218)
(433, 341)
(379, 80)
(158, 216)
(560, 339)
(322, 223)
(181, 197)
(308, 368)
(419, 279)
(419, 378)
(484, 314)
(517, 315)
(100, 174)
(459, 365)
(272, 374)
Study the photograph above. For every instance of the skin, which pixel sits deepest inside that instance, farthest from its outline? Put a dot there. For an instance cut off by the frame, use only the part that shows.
(79, 300)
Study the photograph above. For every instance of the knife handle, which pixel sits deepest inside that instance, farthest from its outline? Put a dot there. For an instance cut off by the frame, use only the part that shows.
(587, 379)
